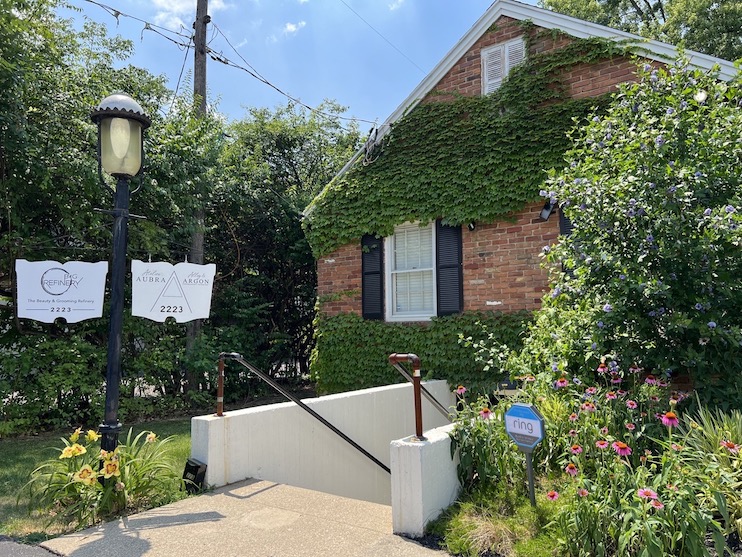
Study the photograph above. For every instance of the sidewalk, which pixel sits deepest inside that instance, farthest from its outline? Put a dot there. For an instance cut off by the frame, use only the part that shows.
(249, 519)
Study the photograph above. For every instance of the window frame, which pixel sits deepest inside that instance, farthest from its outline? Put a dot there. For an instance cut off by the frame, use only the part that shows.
(390, 298)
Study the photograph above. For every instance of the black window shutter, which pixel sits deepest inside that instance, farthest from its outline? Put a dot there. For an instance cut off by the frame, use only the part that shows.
(372, 277)
(449, 271)
(565, 225)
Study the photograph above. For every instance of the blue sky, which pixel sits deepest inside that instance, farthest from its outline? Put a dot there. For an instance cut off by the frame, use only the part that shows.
(367, 55)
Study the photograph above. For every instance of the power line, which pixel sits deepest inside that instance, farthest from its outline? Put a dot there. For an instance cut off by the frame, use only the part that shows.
(383, 37)
(219, 57)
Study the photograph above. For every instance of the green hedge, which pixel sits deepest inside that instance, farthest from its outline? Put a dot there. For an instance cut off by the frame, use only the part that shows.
(352, 353)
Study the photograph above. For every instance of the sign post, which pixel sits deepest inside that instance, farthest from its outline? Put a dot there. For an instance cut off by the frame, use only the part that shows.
(525, 426)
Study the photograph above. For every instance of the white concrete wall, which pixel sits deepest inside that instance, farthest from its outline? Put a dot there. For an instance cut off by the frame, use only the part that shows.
(424, 480)
(283, 443)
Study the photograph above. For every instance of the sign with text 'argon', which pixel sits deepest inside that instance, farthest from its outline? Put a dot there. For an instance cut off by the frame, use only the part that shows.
(525, 425)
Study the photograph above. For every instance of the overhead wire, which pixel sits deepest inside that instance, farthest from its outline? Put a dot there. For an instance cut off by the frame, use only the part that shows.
(219, 57)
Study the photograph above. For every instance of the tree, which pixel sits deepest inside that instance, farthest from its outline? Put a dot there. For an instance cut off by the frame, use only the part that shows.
(650, 274)
(708, 26)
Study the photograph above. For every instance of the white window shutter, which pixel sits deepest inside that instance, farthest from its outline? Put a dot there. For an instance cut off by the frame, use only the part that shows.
(493, 70)
(498, 60)
(516, 53)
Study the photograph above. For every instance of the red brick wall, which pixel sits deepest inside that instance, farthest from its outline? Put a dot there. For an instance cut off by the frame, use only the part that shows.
(501, 267)
(583, 80)
(501, 260)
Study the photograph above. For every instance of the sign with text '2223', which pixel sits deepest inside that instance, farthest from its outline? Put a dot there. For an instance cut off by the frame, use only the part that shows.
(48, 290)
(161, 290)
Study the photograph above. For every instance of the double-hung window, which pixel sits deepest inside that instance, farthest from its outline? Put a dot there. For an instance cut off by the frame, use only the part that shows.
(410, 280)
(414, 274)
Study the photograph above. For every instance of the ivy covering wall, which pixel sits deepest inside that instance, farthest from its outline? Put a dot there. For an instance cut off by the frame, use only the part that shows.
(462, 159)
(467, 159)
(353, 353)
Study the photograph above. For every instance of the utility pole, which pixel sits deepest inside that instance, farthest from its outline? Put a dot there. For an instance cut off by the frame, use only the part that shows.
(197, 236)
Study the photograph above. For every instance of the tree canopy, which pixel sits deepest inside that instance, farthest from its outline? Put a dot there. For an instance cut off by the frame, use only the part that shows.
(707, 26)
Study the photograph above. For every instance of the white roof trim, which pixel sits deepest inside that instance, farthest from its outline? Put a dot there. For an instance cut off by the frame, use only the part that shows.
(655, 50)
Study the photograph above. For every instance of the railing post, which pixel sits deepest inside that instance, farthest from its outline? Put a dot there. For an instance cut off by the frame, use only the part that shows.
(416, 387)
(220, 388)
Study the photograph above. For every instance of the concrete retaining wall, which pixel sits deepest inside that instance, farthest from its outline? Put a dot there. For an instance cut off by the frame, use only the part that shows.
(283, 443)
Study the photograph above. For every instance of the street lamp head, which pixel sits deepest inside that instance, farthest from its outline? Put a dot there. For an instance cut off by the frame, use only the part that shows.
(121, 122)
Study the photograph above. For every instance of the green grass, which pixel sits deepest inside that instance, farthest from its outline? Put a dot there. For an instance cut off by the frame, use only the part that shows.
(19, 457)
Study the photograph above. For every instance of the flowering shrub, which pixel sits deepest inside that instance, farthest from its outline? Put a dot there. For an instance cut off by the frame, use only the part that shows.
(85, 483)
(651, 270)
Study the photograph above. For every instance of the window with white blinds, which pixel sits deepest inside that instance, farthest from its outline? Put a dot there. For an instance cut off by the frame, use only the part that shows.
(498, 60)
(411, 272)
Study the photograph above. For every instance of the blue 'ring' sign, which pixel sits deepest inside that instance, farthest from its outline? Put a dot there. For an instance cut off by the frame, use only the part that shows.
(525, 425)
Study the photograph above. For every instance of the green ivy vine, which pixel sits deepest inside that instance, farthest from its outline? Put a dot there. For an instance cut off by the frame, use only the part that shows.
(468, 159)
(352, 353)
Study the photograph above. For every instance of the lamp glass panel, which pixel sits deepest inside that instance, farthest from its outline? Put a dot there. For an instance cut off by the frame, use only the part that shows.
(121, 146)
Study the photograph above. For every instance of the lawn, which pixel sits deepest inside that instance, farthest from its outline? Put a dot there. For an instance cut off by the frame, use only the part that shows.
(19, 457)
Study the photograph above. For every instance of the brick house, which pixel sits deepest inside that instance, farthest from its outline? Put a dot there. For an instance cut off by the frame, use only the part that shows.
(426, 268)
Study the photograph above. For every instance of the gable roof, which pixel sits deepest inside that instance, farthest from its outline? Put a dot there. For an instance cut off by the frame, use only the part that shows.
(547, 19)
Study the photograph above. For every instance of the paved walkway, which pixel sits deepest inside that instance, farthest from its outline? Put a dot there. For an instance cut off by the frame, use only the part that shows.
(249, 519)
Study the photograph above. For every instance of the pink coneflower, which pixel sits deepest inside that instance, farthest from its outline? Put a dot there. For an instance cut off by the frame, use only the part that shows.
(670, 419)
(676, 447)
(573, 433)
(485, 413)
(662, 383)
(621, 392)
(621, 448)
(650, 380)
(631, 404)
(529, 379)
(604, 430)
(616, 379)
(657, 504)
(552, 495)
(576, 449)
(602, 444)
(587, 407)
(633, 368)
(582, 492)
(571, 469)
(630, 426)
(561, 382)
(591, 390)
(672, 487)
(460, 390)
(646, 493)
(654, 398)
(610, 395)
(731, 447)
(573, 417)
(602, 368)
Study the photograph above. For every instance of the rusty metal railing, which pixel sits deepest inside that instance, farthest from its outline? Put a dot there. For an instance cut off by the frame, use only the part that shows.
(417, 388)
(270, 381)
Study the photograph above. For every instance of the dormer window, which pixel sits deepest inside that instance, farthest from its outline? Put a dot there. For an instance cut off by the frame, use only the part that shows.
(498, 60)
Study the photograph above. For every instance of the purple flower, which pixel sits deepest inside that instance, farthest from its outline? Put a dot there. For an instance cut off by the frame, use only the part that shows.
(546, 249)
(711, 324)
(622, 277)
(698, 306)
(729, 209)
(660, 141)
(707, 213)
(600, 324)
(608, 308)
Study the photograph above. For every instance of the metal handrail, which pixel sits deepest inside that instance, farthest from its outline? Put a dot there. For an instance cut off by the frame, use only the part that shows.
(267, 379)
(425, 392)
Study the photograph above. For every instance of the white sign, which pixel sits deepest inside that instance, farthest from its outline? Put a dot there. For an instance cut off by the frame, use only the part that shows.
(161, 290)
(48, 289)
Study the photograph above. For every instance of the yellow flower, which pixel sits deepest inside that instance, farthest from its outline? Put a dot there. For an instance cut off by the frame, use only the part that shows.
(85, 475)
(73, 451)
(92, 436)
(103, 454)
(111, 468)
(151, 437)
(75, 435)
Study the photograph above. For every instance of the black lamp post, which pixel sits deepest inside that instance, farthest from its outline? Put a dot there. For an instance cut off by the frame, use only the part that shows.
(121, 123)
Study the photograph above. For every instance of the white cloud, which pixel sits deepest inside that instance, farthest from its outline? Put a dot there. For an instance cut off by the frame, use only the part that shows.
(396, 5)
(291, 28)
(303, 1)
(174, 14)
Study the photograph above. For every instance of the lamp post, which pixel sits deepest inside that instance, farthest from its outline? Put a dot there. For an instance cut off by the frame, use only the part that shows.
(121, 123)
